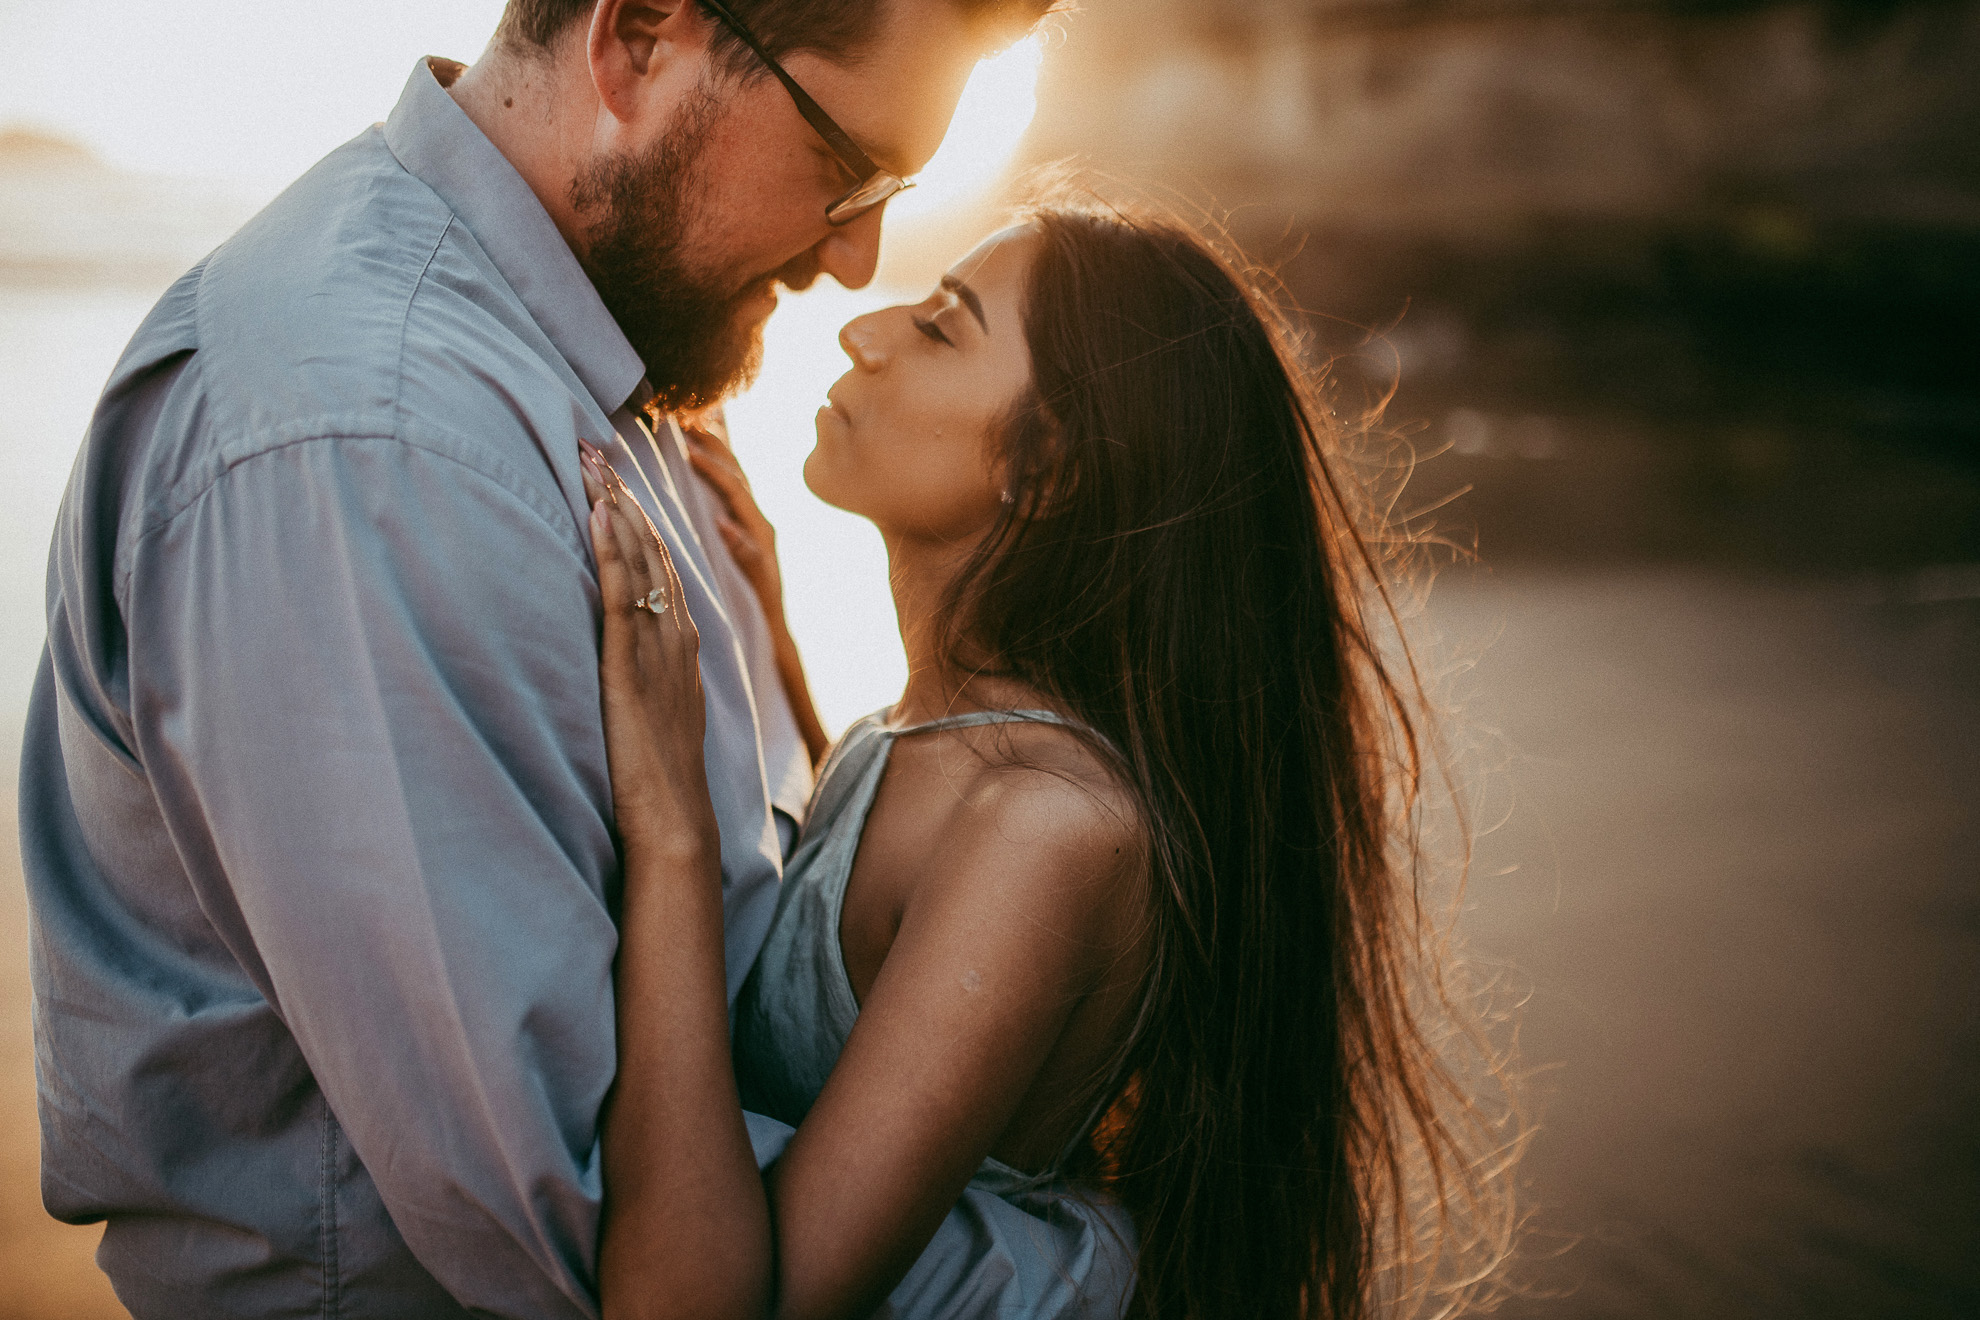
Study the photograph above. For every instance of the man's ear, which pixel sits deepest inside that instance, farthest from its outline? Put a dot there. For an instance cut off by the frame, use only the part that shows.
(638, 49)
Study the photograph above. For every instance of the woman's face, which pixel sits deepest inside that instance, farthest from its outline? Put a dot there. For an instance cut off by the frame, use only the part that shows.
(906, 437)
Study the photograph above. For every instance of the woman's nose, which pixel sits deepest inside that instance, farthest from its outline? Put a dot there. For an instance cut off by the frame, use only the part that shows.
(862, 341)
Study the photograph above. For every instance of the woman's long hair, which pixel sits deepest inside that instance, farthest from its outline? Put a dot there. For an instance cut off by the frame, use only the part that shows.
(1181, 567)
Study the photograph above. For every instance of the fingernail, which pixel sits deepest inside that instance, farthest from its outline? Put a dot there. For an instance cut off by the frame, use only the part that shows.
(599, 518)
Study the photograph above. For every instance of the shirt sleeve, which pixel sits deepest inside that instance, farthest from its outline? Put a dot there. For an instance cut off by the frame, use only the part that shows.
(364, 685)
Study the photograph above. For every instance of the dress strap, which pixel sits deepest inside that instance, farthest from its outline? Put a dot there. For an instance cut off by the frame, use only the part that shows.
(970, 719)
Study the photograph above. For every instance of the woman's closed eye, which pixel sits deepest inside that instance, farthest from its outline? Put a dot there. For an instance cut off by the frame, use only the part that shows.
(928, 327)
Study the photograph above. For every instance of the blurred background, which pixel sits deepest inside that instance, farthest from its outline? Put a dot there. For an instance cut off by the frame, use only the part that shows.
(1677, 301)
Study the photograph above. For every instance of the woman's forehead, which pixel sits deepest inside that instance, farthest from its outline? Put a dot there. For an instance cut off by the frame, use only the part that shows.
(999, 261)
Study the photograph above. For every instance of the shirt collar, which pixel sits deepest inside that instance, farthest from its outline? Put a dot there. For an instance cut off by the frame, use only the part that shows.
(441, 147)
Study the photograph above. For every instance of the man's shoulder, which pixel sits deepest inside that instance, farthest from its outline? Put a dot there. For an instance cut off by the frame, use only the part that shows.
(354, 305)
(306, 310)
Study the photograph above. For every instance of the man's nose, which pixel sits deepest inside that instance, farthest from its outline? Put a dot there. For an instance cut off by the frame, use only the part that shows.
(850, 253)
(861, 339)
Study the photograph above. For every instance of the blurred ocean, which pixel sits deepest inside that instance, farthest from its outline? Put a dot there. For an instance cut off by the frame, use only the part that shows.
(1731, 854)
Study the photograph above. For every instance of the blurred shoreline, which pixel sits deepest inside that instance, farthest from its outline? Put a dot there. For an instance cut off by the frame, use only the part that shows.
(67, 220)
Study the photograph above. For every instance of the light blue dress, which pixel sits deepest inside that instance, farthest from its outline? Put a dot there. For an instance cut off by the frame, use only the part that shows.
(1037, 1248)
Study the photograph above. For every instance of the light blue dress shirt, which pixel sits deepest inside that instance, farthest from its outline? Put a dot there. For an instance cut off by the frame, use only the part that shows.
(314, 802)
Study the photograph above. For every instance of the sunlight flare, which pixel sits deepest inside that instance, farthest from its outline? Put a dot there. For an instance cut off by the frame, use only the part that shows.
(990, 120)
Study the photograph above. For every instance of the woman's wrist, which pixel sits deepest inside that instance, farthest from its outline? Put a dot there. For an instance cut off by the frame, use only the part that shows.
(771, 598)
(679, 847)
(797, 695)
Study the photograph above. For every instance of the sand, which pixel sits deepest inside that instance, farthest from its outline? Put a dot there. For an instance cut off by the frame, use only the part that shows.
(1746, 904)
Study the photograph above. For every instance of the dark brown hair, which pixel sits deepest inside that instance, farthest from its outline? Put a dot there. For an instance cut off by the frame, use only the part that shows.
(1184, 567)
(836, 28)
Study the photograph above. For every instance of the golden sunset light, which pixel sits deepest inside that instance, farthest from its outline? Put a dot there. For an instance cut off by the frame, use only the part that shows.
(995, 110)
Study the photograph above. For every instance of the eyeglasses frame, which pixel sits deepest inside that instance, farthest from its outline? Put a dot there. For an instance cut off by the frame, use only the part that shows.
(857, 162)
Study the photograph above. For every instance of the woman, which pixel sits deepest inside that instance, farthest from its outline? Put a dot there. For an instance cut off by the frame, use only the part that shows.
(1105, 920)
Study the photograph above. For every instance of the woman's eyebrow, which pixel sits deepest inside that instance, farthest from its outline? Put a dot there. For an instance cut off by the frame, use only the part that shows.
(970, 300)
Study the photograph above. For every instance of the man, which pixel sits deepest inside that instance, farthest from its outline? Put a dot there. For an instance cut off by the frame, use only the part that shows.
(314, 805)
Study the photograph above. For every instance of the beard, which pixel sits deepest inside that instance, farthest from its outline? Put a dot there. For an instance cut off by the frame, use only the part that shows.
(689, 328)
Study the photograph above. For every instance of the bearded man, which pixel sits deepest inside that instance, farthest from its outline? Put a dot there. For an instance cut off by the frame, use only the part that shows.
(315, 804)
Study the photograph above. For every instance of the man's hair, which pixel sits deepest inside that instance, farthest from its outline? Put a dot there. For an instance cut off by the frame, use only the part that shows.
(834, 28)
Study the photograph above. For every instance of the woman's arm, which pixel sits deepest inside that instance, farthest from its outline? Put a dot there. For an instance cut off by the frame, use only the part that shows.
(686, 1226)
(1026, 911)
(752, 543)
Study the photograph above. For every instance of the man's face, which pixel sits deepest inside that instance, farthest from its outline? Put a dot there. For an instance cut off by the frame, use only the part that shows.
(698, 206)
(699, 337)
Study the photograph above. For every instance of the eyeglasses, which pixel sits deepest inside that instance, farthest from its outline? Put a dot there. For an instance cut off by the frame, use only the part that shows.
(875, 184)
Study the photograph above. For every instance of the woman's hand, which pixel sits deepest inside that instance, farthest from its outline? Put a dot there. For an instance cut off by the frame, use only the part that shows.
(686, 1226)
(751, 540)
(649, 677)
(752, 543)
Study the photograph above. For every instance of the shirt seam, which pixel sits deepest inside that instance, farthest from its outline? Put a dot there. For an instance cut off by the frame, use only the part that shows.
(405, 320)
(397, 430)
(332, 1271)
(522, 496)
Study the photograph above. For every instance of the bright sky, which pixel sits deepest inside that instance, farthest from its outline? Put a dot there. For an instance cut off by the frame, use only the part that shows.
(253, 91)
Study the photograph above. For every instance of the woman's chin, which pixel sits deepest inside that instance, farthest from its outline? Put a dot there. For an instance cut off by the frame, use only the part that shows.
(824, 466)
(818, 478)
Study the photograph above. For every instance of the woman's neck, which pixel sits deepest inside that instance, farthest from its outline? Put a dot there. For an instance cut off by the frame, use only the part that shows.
(921, 574)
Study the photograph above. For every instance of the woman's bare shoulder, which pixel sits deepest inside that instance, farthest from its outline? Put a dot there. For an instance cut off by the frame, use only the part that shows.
(1036, 806)
(991, 822)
